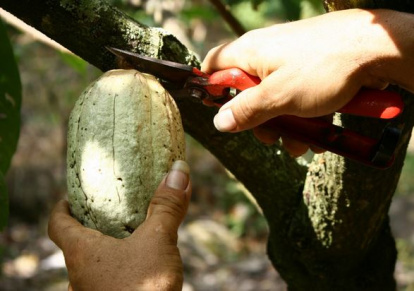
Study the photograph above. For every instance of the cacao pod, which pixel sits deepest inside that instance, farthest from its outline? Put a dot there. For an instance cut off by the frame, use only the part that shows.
(124, 133)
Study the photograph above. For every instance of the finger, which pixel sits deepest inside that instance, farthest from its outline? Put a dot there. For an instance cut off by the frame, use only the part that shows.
(209, 63)
(266, 135)
(63, 229)
(170, 202)
(294, 147)
(222, 57)
(253, 107)
(236, 54)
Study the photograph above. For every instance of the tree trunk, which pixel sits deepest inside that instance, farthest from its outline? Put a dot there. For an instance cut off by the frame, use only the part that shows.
(328, 226)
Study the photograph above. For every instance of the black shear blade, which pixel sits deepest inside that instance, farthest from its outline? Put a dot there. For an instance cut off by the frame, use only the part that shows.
(169, 71)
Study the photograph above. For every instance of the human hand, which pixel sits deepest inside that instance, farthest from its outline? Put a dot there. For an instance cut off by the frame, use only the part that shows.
(312, 67)
(147, 260)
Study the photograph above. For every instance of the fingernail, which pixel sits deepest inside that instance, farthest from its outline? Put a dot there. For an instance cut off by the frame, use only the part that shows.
(224, 120)
(178, 177)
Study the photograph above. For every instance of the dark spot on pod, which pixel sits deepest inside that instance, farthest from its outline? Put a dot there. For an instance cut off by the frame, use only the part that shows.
(128, 228)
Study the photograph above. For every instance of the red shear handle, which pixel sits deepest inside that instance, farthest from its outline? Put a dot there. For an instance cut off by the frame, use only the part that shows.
(367, 102)
(341, 141)
(323, 134)
(233, 78)
(375, 103)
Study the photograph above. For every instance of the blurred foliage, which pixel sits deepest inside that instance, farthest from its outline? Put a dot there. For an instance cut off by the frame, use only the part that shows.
(280, 9)
(201, 12)
(250, 13)
(405, 253)
(10, 103)
(4, 205)
(405, 250)
(406, 184)
(75, 62)
(242, 216)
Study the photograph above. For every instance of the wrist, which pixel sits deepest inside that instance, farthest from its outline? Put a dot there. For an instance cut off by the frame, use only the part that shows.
(388, 44)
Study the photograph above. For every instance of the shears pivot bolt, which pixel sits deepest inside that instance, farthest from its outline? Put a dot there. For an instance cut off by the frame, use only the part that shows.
(198, 93)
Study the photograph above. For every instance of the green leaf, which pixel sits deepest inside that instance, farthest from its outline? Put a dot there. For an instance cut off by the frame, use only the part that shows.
(256, 3)
(292, 9)
(4, 204)
(10, 101)
(75, 62)
(203, 12)
(311, 8)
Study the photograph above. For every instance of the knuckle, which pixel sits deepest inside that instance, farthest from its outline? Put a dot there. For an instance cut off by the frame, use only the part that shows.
(51, 230)
(171, 280)
(209, 57)
(245, 111)
(168, 203)
(254, 108)
(249, 36)
(167, 237)
(54, 226)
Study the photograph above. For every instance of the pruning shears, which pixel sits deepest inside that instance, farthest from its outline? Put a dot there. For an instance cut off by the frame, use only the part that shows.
(221, 86)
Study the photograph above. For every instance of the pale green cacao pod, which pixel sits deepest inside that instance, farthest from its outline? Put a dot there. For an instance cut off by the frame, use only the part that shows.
(124, 133)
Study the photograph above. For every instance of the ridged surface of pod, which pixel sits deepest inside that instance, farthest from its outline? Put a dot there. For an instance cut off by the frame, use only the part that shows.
(124, 133)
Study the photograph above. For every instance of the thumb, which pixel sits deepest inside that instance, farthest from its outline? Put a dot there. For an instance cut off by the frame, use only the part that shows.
(248, 109)
(170, 202)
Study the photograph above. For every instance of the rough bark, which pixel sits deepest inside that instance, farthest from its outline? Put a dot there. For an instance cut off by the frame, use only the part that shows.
(328, 227)
(348, 244)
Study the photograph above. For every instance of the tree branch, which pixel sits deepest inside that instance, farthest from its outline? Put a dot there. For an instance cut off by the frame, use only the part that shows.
(20, 25)
(312, 238)
(230, 19)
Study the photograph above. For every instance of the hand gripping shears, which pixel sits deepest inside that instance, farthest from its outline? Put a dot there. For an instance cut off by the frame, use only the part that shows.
(221, 86)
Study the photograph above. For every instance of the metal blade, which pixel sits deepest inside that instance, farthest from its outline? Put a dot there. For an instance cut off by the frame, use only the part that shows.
(169, 71)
